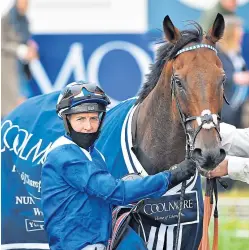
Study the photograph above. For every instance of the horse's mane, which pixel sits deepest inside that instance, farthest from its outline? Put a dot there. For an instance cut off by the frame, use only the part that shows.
(166, 52)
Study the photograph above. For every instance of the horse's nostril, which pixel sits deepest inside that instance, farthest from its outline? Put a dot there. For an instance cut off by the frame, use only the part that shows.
(197, 153)
(209, 159)
(222, 154)
(222, 151)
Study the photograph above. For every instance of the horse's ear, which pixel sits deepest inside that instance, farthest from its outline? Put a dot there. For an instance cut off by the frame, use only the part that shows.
(217, 30)
(172, 34)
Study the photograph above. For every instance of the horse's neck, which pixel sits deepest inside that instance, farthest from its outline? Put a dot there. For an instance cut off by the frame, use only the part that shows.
(159, 142)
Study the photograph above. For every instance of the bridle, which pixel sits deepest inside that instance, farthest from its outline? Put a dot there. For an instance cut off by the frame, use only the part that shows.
(206, 121)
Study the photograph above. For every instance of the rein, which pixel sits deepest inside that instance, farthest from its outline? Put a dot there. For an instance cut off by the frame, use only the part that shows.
(211, 191)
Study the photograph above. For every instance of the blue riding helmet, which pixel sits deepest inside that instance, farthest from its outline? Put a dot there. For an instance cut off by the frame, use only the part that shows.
(81, 97)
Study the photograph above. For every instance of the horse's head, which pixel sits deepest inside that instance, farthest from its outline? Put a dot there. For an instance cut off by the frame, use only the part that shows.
(197, 77)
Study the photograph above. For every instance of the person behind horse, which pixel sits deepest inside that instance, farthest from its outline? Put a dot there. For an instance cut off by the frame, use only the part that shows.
(237, 75)
(78, 192)
(236, 164)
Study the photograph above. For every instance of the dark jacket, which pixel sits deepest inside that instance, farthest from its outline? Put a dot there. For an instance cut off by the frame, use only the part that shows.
(229, 114)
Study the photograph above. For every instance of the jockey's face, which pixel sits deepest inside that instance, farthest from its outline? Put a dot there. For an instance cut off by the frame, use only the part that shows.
(85, 122)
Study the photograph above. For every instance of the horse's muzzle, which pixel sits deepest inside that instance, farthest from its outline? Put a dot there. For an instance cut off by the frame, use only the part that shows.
(208, 159)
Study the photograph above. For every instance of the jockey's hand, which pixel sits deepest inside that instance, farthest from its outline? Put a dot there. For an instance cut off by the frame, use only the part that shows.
(181, 172)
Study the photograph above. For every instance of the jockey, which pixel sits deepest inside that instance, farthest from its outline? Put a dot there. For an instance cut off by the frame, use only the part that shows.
(78, 192)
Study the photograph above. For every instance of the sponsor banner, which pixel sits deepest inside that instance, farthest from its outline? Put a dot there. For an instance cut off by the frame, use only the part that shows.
(165, 209)
(118, 63)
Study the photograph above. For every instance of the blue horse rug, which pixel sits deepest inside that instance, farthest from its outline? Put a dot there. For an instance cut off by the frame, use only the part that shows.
(159, 215)
(27, 135)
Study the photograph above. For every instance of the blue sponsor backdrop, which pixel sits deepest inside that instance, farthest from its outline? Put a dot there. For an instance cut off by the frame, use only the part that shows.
(117, 62)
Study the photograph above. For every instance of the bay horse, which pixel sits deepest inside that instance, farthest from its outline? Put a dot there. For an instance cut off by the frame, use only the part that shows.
(176, 115)
(180, 86)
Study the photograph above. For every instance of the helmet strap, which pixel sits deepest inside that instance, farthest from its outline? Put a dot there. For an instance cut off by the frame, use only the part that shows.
(66, 124)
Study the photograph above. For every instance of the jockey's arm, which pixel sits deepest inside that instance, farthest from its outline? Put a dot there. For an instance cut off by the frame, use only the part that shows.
(87, 177)
(100, 183)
